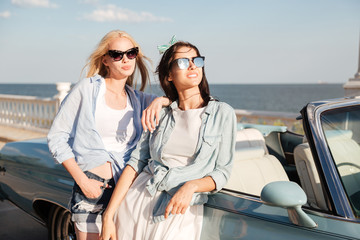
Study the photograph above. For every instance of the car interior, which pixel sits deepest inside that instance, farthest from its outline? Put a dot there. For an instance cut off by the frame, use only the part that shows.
(253, 166)
(261, 159)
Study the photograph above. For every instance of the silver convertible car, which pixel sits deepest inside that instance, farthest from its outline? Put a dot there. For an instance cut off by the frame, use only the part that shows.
(283, 185)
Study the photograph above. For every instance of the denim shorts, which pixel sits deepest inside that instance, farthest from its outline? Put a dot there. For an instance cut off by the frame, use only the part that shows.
(89, 210)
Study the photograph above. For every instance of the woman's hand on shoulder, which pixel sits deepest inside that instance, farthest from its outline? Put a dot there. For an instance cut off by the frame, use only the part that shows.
(151, 115)
(181, 199)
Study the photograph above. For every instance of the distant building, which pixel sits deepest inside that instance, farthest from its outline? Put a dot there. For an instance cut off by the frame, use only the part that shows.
(352, 87)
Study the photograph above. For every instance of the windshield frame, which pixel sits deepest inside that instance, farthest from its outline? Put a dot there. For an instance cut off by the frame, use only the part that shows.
(328, 173)
(341, 129)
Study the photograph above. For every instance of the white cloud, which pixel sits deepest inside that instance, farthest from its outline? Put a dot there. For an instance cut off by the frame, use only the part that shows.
(112, 13)
(34, 3)
(90, 1)
(5, 14)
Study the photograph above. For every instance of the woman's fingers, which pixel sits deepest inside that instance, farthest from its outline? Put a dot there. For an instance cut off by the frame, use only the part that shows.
(179, 210)
(167, 210)
(93, 189)
(157, 117)
(183, 211)
(147, 120)
(151, 120)
(151, 115)
(108, 231)
(171, 208)
(175, 208)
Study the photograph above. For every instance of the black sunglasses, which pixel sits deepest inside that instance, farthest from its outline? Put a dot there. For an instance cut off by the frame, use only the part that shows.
(118, 55)
(184, 63)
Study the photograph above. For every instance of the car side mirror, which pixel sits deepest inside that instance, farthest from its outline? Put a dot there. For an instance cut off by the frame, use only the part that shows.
(291, 196)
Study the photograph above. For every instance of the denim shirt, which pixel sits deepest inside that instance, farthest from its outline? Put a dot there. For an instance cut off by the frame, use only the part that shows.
(213, 155)
(73, 133)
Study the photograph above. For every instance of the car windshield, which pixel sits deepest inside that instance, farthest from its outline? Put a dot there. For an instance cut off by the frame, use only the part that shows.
(342, 132)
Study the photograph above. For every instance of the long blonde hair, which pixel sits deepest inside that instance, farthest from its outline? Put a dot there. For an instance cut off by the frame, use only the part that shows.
(96, 66)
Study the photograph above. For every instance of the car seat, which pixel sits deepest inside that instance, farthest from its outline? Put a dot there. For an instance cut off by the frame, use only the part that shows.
(253, 166)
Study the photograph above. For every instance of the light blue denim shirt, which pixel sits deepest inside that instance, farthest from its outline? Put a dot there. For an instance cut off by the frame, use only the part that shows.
(213, 155)
(73, 133)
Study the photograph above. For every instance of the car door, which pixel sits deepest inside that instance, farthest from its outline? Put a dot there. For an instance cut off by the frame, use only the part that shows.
(333, 130)
(233, 214)
(30, 174)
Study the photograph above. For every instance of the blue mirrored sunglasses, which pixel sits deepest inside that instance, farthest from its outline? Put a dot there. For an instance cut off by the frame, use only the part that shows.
(184, 63)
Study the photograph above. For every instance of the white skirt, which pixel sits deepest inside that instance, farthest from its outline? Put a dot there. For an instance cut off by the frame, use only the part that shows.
(133, 218)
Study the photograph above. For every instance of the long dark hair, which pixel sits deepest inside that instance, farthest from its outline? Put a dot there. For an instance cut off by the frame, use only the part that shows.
(163, 70)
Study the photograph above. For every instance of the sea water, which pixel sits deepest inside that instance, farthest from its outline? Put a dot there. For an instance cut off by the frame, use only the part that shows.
(265, 97)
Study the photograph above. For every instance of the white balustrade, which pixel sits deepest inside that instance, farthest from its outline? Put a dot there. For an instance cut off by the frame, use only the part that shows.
(27, 112)
(35, 113)
(30, 112)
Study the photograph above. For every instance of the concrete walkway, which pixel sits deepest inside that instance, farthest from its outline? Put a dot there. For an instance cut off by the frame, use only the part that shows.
(11, 134)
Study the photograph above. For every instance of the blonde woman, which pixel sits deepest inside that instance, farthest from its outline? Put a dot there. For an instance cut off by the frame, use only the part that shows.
(99, 124)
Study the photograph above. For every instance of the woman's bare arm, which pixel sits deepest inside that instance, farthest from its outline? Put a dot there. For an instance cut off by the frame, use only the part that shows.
(122, 186)
(182, 198)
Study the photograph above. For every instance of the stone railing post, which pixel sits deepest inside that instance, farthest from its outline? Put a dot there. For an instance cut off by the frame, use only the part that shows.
(63, 89)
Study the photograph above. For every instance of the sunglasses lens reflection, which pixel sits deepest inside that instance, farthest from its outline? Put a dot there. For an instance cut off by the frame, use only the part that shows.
(118, 55)
(183, 63)
(131, 54)
(199, 62)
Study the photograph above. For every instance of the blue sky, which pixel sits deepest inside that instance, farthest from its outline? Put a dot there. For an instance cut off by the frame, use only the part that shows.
(244, 41)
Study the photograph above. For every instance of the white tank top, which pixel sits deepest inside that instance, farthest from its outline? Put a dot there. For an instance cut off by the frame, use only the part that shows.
(181, 146)
(116, 127)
